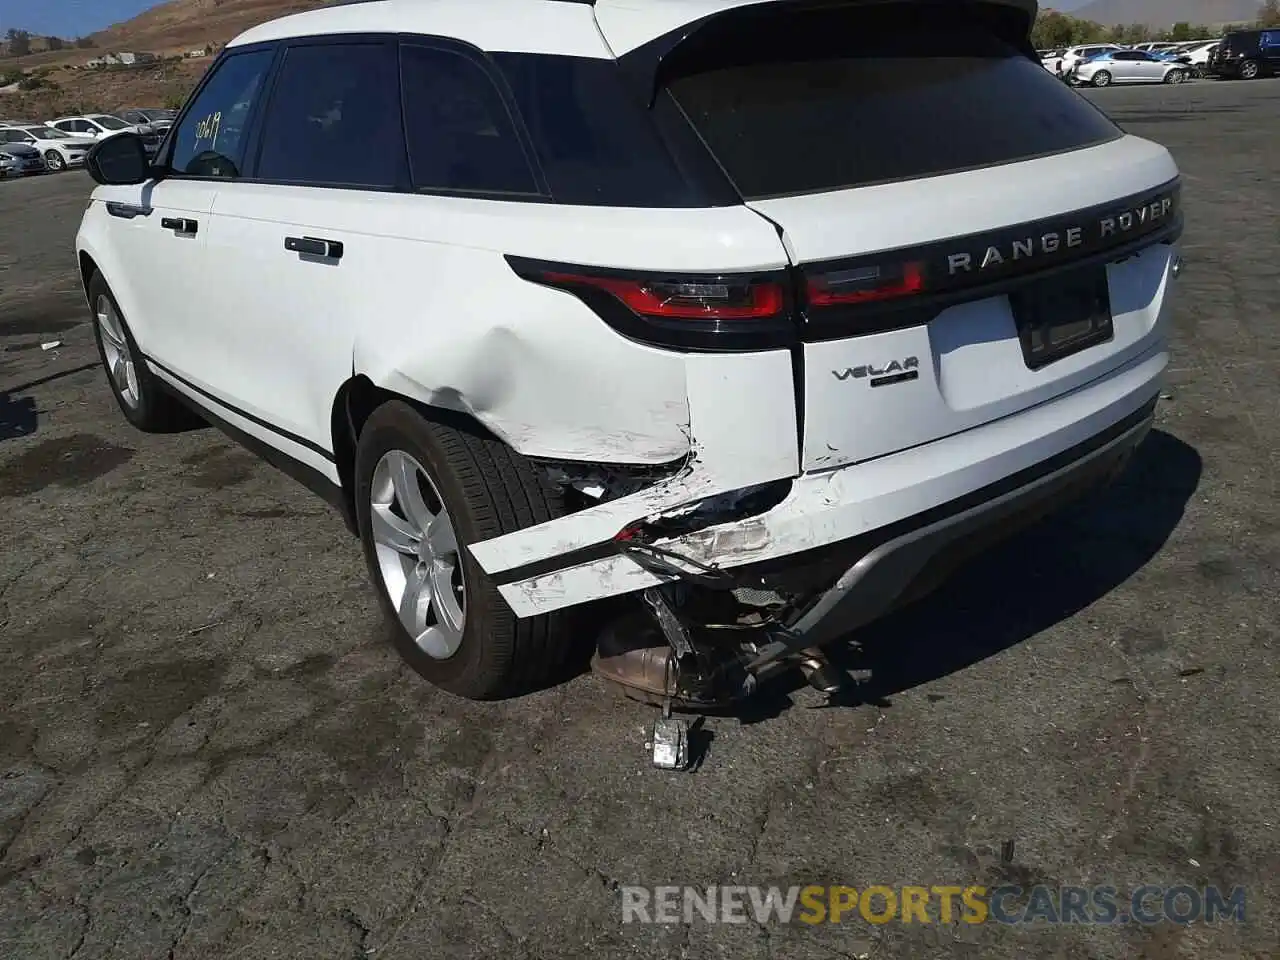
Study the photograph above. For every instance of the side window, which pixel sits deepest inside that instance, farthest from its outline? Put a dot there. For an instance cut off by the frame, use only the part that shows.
(461, 137)
(334, 118)
(594, 143)
(1271, 38)
(211, 140)
(10, 136)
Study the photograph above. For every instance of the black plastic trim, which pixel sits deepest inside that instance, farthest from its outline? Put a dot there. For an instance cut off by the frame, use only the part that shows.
(699, 336)
(265, 424)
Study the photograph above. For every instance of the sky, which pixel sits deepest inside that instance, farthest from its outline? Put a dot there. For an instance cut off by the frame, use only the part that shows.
(67, 18)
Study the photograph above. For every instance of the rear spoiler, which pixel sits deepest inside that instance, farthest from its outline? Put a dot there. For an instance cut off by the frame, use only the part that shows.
(647, 63)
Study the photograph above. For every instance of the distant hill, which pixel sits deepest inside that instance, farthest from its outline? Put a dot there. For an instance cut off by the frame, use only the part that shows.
(193, 23)
(172, 27)
(1164, 13)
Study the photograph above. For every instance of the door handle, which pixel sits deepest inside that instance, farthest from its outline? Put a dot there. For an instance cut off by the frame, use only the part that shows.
(180, 224)
(315, 247)
(127, 211)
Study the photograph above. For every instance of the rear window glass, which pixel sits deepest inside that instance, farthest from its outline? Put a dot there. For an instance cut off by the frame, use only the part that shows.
(830, 100)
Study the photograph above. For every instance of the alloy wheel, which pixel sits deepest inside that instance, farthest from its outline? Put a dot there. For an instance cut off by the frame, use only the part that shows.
(417, 554)
(115, 348)
(54, 159)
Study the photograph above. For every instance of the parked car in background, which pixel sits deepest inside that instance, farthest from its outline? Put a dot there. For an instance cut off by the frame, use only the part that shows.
(98, 126)
(1128, 66)
(1051, 60)
(24, 160)
(1246, 55)
(159, 120)
(1199, 54)
(1073, 55)
(60, 150)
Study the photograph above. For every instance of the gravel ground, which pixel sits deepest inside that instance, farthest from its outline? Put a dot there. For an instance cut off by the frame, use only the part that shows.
(207, 748)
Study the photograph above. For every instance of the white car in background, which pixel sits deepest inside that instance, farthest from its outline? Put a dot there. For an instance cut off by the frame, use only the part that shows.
(1128, 66)
(60, 150)
(99, 126)
(1075, 55)
(1198, 54)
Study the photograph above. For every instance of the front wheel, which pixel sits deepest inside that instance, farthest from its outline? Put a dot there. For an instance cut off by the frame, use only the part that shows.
(1174, 76)
(54, 160)
(1249, 70)
(425, 490)
(1102, 79)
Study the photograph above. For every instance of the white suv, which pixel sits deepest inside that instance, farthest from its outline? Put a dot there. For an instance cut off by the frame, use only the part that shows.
(60, 150)
(560, 302)
(98, 126)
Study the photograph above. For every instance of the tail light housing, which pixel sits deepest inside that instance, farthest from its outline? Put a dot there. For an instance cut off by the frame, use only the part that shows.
(703, 312)
(868, 283)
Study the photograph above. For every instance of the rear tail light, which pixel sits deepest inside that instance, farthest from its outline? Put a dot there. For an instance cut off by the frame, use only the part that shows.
(719, 299)
(866, 284)
(712, 312)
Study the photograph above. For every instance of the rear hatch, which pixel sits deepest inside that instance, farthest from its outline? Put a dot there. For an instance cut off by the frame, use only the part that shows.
(970, 237)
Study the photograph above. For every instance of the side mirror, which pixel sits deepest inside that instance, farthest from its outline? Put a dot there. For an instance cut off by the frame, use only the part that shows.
(121, 160)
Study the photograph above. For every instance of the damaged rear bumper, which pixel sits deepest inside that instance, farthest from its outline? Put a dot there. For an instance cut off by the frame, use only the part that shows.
(872, 529)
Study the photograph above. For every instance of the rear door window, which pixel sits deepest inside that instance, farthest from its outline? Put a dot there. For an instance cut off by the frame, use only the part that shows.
(596, 144)
(462, 138)
(334, 118)
(835, 99)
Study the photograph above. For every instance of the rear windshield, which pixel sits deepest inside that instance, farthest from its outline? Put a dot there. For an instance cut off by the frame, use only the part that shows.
(1241, 41)
(829, 100)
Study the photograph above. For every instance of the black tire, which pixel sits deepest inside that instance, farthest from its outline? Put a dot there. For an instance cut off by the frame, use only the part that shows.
(1175, 76)
(156, 410)
(1249, 70)
(489, 490)
(54, 160)
(1102, 79)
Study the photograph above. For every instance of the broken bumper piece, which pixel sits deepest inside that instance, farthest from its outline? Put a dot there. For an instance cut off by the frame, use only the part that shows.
(878, 525)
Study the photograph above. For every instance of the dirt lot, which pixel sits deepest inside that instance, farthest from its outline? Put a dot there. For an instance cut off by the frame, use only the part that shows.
(207, 750)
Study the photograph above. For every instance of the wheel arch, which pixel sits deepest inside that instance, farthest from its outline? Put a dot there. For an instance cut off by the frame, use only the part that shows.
(356, 400)
(88, 267)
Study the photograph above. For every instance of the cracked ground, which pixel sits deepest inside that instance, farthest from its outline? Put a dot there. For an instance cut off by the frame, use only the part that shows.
(208, 749)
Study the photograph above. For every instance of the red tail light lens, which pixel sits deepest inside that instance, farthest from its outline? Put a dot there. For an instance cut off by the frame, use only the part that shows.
(717, 299)
(701, 312)
(866, 284)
